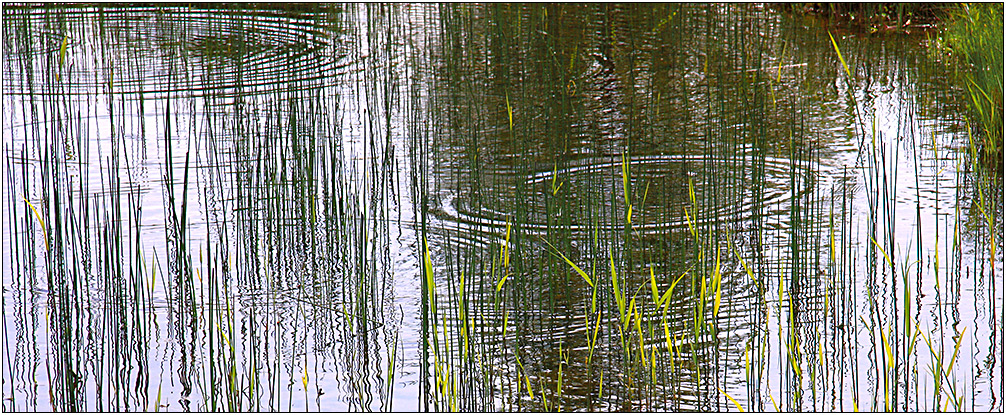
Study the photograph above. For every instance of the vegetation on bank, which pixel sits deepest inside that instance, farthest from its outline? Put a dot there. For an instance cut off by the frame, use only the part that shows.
(974, 35)
(970, 33)
(881, 18)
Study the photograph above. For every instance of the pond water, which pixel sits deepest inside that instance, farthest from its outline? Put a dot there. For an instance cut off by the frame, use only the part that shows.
(490, 207)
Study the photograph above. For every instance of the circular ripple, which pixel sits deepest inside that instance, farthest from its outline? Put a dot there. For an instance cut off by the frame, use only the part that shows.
(725, 189)
(188, 51)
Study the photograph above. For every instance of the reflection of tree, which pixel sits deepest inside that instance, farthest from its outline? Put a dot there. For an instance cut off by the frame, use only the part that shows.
(563, 91)
(585, 84)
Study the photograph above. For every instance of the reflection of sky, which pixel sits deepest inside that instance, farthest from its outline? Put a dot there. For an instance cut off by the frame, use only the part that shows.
(917, 195)
(195, 100)
(356, 70)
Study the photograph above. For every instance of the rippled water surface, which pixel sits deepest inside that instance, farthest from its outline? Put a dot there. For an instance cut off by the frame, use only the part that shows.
(490, 207)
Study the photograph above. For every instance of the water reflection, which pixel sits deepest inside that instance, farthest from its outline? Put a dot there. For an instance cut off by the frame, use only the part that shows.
(378, 207)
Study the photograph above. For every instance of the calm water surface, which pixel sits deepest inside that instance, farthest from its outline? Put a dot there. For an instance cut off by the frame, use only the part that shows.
(377, 207)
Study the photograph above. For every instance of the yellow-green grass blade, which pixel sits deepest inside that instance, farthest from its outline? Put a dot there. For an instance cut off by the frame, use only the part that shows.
(731, 398)
(45, 235)
(575, 268)
(844, 65)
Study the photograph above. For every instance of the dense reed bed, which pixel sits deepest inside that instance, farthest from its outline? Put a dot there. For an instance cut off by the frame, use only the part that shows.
(975, 40)
(490, 207)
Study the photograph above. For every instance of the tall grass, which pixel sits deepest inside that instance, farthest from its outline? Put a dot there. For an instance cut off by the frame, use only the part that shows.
(560, 207)
(831, 321)
(975, 38)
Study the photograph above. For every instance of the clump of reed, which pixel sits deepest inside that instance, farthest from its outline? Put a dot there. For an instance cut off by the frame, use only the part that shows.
(588, 292)
(975, 38)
